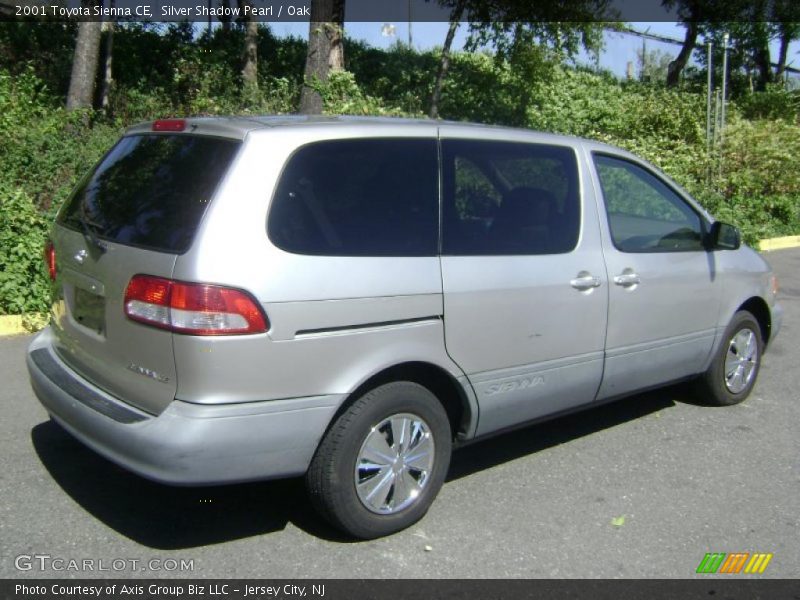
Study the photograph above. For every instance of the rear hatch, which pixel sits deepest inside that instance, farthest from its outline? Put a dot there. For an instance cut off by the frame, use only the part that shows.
(134, 213)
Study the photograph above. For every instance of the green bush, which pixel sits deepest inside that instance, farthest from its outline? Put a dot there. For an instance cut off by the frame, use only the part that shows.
(164, 70)
(760, 158)
(24, 284)
(753, 183)
(341, 95)
(775, 103)
(44, 149)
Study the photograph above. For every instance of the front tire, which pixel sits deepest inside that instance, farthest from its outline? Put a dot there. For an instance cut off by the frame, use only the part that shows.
(382, 462)
(734, 370)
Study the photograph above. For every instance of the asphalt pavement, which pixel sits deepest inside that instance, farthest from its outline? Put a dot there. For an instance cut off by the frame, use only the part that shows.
(641, 488)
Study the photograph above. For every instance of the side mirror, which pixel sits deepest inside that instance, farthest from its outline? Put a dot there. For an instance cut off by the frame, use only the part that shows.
(724, 237)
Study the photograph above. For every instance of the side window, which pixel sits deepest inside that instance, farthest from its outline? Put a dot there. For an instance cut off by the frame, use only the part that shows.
(367, 197)
(504, 198)
(644, 214)
(476, 198)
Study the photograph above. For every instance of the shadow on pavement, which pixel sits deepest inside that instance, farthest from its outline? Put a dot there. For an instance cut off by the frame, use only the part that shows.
(170, 518)
(166, 517)
(534, 438)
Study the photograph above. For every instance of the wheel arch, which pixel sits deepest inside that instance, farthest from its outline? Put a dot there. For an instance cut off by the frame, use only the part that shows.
(758, 307)
(457, 400)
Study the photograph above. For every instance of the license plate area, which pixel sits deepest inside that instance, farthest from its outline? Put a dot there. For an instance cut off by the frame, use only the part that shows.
(89, 310)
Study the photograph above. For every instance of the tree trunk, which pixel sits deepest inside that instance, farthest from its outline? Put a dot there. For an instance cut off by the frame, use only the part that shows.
(84, 64)
(336, 59)
(224, 19)
(324, 28)
(760, 43)
(250, 62)
(108, 72)
(764, 67)
(675, 68)
(444, 61)
(782, 53)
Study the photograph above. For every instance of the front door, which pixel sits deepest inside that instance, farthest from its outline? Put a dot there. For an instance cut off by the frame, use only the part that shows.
(663, 291)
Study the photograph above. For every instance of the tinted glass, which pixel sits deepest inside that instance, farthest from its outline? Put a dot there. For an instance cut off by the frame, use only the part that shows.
(373, 197)
(644, 214)
(509, 198)
(150, 190)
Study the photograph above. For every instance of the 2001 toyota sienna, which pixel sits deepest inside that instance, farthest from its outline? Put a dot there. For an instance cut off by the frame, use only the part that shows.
(253, 298)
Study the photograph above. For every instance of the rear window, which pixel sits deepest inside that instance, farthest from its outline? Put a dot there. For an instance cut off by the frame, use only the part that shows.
(373, 197)
(150, 190)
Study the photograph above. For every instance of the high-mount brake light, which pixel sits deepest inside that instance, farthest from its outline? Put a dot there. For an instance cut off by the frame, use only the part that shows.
(192, 308)
(50, 259)
(169, 125)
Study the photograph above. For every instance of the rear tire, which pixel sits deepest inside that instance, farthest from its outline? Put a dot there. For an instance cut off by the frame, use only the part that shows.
(382, 462)
(734, 370)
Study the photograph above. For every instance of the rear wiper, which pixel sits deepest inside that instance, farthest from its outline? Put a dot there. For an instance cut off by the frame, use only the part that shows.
(88, 234)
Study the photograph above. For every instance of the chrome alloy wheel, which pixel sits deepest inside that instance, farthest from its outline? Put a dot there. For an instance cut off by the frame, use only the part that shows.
(394, 463)
(741, 360)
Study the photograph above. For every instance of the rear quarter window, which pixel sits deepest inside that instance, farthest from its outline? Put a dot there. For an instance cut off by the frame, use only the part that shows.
(150, 190)
(366, 197)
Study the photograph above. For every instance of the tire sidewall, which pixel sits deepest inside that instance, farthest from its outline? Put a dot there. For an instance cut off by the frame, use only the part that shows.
(722, 395)
(384, 401)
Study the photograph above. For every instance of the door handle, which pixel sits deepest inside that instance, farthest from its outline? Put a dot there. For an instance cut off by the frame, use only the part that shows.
(585, 281)
(627, 279)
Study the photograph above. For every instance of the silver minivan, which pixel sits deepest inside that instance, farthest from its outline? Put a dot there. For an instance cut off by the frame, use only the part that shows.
(348, 299)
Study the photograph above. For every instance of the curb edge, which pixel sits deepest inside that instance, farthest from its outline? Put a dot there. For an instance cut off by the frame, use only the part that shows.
(18, 324)
(779, 243)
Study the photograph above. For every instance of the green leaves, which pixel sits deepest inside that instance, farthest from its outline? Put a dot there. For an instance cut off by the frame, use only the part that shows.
(166, 70)
(342, 95)
(24, 286)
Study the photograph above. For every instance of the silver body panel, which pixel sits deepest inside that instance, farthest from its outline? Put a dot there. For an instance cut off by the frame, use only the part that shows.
(512, 331)
(530, 343)
(114, 355)
(189, 444)
(674, 310)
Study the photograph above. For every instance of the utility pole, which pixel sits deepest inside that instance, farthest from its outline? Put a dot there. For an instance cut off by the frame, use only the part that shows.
(644, 59)
(725, 39)
(709, 92)
(410, 34)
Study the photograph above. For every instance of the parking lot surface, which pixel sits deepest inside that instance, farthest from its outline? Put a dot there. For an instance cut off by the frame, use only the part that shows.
(641, 488)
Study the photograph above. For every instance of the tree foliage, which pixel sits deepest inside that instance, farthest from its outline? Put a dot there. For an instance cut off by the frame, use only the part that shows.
(164, 70)
(509, 26)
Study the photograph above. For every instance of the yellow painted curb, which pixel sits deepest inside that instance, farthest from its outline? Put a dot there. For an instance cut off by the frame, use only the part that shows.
(11, 325)
(20, 324)
(790, 241)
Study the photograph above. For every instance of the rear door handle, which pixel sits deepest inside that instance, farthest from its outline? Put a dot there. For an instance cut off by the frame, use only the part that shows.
(627, 279)
(585, 281)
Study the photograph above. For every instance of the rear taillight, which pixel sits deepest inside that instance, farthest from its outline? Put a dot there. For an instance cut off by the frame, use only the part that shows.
(50, 259)
(192, 308)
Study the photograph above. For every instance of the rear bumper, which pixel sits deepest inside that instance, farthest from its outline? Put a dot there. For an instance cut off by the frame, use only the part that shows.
(187, 444)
